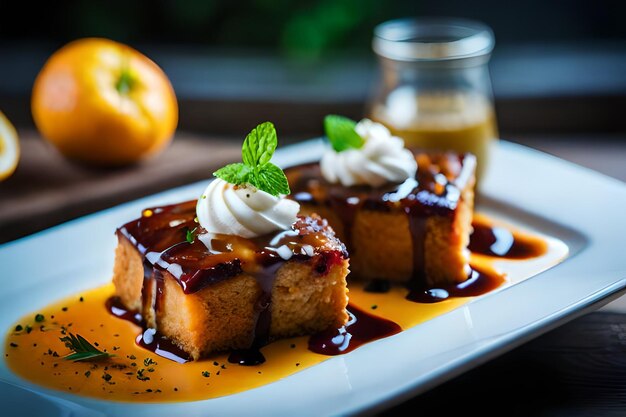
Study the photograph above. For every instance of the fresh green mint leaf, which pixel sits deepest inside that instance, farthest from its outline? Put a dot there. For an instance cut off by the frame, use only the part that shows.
(259, 145)
(272, 180)
(341, 133)
(236, 174)
(256, 169)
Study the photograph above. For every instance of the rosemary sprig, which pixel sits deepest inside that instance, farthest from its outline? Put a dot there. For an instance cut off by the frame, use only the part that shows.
(83, 350)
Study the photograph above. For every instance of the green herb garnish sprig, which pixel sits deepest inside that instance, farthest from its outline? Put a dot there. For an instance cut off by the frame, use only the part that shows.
(190, 236)
(83, 350)
(341, 133)
(256, 168)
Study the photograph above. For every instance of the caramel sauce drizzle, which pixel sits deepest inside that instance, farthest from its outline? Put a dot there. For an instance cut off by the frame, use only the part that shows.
(37, 354)
(377, 310)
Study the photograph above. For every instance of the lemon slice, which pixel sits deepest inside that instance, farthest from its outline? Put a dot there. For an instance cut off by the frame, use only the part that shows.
(9, 148)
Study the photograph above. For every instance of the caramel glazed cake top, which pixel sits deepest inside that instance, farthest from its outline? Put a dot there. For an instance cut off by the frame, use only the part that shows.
(170, 240)
(435, 189)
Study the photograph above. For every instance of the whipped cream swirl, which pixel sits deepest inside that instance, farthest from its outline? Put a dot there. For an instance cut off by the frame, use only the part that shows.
(382, 159)
(243, 210)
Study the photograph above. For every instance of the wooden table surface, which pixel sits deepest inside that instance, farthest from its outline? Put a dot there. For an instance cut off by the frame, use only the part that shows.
(578, 369)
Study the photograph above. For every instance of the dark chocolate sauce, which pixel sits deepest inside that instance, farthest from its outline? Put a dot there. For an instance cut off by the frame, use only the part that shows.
(478, 283)
(502, 243)
(380, 286)
(160, 236)
(361, 328)
(346, 210)
(247, 357)
(115, 307)
(148, 294)
(489, 240)
(159, 344)
(265, 277)
(435, 191)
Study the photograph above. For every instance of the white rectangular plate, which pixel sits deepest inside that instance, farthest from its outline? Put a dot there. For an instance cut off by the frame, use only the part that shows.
(579, 207)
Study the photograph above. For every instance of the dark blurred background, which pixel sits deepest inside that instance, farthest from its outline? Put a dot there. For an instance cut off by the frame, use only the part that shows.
(559, 81)
(303, 29)
(558, 66)
(558, 72)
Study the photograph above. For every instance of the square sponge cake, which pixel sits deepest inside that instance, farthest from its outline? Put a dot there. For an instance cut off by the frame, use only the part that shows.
(416, 232)
(210, 293)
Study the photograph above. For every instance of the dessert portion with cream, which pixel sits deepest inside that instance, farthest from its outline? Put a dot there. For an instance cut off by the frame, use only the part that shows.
(238, 267)
(404, 216)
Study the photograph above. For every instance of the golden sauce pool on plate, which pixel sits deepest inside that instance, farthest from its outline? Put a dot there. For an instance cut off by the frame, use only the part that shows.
(136, 374)
(34, 351)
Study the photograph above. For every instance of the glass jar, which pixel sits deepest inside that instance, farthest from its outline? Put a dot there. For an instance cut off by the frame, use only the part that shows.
(434, 89)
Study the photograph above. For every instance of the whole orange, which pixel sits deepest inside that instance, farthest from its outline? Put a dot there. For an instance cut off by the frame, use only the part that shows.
(104, 103)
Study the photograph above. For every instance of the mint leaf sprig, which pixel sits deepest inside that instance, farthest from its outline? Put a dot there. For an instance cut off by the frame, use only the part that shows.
(341, 133)
(256, 168)
(83, 350)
